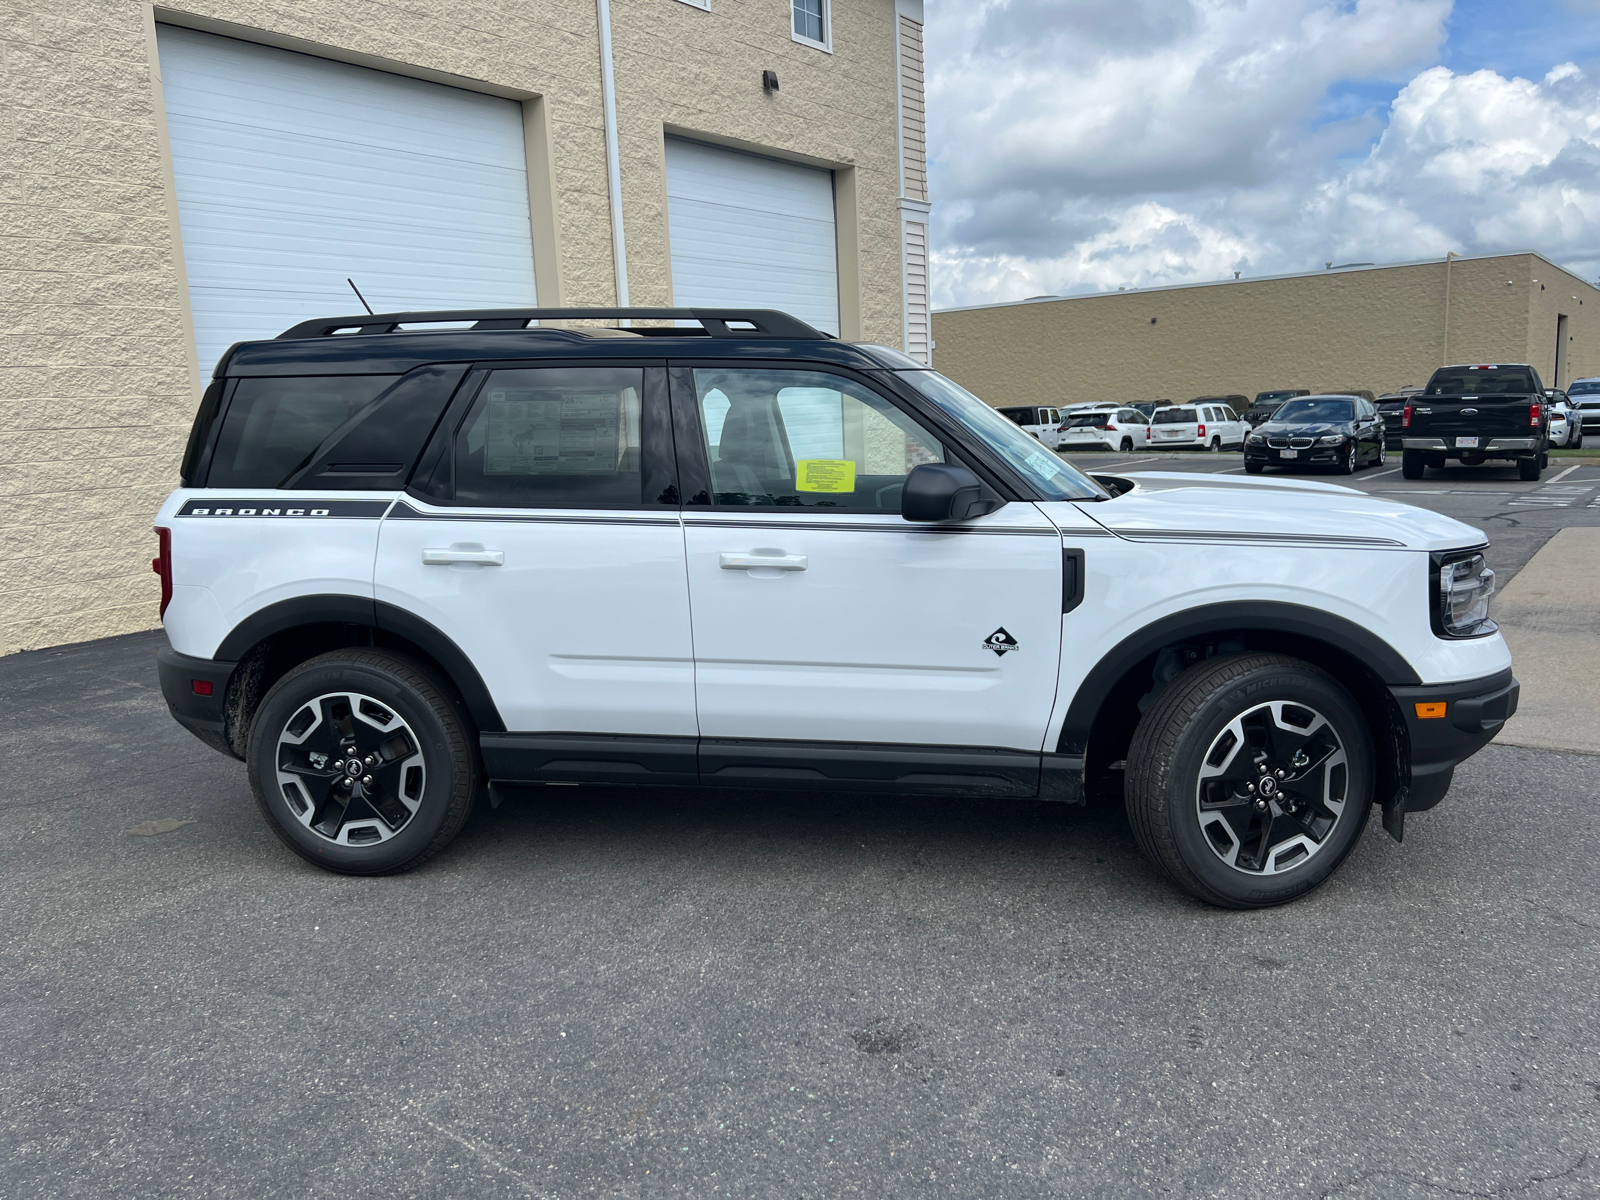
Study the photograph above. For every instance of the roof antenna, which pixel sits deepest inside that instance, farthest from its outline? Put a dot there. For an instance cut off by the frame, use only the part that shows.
(359, 296)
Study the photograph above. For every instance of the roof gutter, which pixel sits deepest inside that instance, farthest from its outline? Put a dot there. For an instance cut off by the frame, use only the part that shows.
(608, 92)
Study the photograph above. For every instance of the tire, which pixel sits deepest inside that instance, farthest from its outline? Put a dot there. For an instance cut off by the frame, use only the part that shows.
(1254, 468)
(1412, 464)
(405, 807)
(1529, 469)
(1347, 464)
(1544, 459)
(1200, 830)
(1383, 454)
(1216, 445)
(1127, 445)
(1577, 443)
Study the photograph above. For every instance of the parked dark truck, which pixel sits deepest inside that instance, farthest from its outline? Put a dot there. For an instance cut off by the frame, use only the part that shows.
(1476, 413)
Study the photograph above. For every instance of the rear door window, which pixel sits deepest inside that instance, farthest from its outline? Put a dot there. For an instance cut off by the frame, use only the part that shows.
(1174, 416)
(273, 426)
(553, 437)
(1486, 382)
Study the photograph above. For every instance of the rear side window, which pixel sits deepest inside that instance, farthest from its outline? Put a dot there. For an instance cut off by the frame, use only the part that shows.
(274, 426)
(553, 437)
(1173, 416)
(1018, 416)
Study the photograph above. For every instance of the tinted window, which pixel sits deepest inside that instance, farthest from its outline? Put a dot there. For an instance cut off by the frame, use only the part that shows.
(1589, 387)
(1019, 416)
(1483, 381)
(273, 426)
(806, 439)
(554, 437)
(1310, 412)
(1173, 416)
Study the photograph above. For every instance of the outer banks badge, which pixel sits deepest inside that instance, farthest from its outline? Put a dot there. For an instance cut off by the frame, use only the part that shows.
(1000, 641)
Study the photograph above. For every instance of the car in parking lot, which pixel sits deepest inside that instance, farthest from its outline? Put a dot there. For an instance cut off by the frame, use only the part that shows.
(1476, 412)
(1566, 422)
(1342, 432)
(411, 563)
(1036, 419)
(1111, 427)
(1266, 403)
(1207, 426)
(1584, 395)
(1391, 407)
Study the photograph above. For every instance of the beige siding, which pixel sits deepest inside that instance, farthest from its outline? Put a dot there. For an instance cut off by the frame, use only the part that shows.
(1379, 329)
(97, 379)
(917, 291)
(913, 112)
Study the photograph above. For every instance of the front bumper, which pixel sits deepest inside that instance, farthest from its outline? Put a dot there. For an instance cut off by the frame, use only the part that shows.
(204, 715)
(1474, 711)
(1316, 456)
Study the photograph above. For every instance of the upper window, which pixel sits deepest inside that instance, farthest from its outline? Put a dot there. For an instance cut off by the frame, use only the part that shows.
(1307, 412)
(1174, 416)
(806, 439)
(274, 426)
(552, 437)
(811, 23)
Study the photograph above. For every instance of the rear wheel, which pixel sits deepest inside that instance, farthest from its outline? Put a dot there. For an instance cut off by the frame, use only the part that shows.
(1216, 445)
(1412, 464)
(362, 762)
(1529, 469)
(1249, 779)
(1127, 445)
(1544, 459)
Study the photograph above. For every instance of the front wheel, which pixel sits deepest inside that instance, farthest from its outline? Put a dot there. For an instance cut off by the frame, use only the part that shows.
(1254, 468)
(1347, 461)
(1249, 779)
(362, 762)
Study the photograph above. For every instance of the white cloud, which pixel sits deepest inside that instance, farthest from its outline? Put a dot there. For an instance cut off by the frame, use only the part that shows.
(1085, 144)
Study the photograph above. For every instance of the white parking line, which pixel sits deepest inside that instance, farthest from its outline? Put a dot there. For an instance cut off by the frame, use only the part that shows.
(1563, 474)
(1381, 474)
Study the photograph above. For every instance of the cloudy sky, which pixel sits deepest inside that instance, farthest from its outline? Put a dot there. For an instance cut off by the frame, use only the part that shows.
(1083, 145)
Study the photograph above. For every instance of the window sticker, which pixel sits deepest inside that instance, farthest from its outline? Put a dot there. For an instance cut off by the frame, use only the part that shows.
(825, 475)
(1046, 464)
(535, 431)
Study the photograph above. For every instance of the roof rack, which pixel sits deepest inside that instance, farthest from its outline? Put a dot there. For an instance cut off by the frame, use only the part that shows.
(715, 322)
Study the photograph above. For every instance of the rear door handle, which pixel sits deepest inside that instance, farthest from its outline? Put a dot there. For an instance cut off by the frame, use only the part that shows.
(463, 552)
(775, 562)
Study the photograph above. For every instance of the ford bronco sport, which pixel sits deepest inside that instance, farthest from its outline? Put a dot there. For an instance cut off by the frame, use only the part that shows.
(409, 565)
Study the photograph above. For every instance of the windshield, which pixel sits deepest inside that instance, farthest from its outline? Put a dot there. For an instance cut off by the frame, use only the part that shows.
(1310, 412)
(1018, 416)
(1173, 416)
(1585, 388)
(1273, 397)
(1049, 475)
(1483, 381)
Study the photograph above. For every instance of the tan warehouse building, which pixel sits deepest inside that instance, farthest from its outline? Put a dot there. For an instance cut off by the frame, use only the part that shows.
(1373, 327)
(179, 179)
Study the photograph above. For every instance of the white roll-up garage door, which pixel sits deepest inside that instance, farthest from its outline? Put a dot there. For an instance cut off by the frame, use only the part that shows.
(751, 232)
(295, 173)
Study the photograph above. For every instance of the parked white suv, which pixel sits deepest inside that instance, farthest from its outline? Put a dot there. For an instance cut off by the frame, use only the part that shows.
(1108, 427)
(1038, 420)
(406, 568)
(1210, 426)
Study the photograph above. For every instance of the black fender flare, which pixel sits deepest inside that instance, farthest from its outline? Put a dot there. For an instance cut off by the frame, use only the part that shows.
(366, 612)
(1249, 616)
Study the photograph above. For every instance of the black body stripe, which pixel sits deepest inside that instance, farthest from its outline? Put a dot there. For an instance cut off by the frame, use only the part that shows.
(368, 510)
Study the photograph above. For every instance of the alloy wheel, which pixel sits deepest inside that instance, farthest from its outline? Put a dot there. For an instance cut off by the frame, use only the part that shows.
(351, 769)
(1272, 788)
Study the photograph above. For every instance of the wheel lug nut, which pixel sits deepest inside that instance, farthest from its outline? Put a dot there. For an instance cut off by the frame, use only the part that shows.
(1280, 773)
(366, 780)
(1261, 804)
(370, 759)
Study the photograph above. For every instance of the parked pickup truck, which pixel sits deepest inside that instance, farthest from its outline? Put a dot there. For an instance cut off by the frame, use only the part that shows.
(1473, 413)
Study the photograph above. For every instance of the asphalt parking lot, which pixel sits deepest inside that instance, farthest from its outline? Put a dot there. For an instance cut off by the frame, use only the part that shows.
(603, 992)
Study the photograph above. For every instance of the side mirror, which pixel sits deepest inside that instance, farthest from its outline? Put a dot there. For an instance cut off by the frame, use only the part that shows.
(943, 492)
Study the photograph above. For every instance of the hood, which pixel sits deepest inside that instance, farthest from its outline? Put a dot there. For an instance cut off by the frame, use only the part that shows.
(1303, 429)
(1172, 506)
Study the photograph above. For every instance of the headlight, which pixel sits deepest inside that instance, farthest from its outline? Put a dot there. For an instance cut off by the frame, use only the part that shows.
(1256, 439)
(1333, 439)
(1463, 586)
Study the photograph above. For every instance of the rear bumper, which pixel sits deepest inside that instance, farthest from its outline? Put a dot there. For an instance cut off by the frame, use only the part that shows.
(205, 716)
(1474, 711)
(1439, 445)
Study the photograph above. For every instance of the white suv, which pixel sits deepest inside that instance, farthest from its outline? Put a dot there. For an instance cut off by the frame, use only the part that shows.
(1108, 427)
(1037, 420)
(1210, 426)
(409, 567)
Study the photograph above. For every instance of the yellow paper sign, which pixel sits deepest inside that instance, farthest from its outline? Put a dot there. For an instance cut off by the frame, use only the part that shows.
(825, 475)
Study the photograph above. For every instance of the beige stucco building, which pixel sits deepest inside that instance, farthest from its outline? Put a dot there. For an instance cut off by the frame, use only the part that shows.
(1373, 327)
(175, 179)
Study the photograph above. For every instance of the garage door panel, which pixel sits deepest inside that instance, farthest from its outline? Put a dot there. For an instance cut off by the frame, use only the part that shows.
(294, 172)
(752, 232)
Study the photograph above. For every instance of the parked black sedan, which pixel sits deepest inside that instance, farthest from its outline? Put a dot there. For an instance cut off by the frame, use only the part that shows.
(1342, 432)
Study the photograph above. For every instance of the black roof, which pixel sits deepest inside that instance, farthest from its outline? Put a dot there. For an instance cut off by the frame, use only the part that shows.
(389, 343)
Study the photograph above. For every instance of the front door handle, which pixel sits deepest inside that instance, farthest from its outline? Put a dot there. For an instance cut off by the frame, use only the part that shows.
(772, 560)
(463, 552)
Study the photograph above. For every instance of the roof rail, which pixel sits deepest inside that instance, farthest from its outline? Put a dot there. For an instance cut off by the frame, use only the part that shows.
(763, 322)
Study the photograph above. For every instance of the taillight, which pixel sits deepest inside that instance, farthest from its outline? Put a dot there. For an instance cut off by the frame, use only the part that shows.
(1405, 417)
(1104, 428)
(1533, 414)
(1202, 432)
(161, 564)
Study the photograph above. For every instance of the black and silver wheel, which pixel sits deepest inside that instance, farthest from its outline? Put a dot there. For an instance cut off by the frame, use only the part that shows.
(1249, 779)
(1383, 453)
(1216, 445)
(362, 762)
(1347, 460)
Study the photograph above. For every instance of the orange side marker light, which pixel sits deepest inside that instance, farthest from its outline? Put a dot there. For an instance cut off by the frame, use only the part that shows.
(1430, 710)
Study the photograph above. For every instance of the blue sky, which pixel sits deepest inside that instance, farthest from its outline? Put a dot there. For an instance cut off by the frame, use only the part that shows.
(1080, 145)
